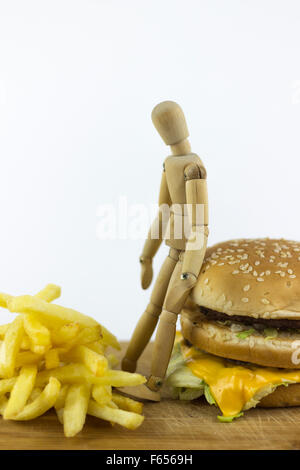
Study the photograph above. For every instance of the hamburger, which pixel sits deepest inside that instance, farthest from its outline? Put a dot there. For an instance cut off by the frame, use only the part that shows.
(239, 344)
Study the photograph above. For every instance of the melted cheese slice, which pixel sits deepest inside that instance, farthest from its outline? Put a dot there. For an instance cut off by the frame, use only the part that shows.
(234, 386)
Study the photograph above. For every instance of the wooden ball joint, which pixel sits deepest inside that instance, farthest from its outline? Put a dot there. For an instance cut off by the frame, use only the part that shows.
(183, 182)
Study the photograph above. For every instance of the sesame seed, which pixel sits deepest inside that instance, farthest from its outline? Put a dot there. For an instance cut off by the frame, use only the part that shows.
(255, 273)
(268, 273)
(206, 281)
(245, 299)
(235, 271)
(292, 276)
(221, 264)
(290, 271)
(246, 288)
(257, 263)
(282, 274)
(265, 301)
(260, 279)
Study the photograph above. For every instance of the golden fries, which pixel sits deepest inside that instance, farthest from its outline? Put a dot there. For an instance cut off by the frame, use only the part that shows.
(38, 334)
(96, 363)
(52, 356)
(10, 347)
(127, 404)
(42, 403)
(110, 339)
(125, 418)
(102, 394)
(48, 313)
(52, 359)
(60, 403)
(21, 391)
(49, 293)
(65, 334)
(76, 405)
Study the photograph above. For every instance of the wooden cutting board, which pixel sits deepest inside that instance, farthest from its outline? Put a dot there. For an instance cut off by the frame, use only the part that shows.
(168, 425)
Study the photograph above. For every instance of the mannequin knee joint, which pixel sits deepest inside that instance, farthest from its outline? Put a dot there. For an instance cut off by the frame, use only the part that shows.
(188, 279)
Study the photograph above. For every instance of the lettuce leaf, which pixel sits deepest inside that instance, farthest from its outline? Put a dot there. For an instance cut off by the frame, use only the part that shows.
(229, 419)
(208, 395)
(245, 334)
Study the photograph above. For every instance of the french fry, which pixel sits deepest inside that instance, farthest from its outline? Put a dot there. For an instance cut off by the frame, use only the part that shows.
(75, 409)
(65, 334)
(4, 299)
(125, 418)
(68, 374)
(119, 378)
(34, 394)
(97, 346)
(38, 333)
(113, 361)
(25, 344)
(6, 385)
(48, 313)
(109, 339)
(102, 394)
(42, 403)
(10, 347)
(52, 359)
(26, 358)
(49, 293)
(127, 404)
(79, 373)
(21, 391)
(3, 330)
(60, 403)
(96, 363)
(86, 336)
(111, 404)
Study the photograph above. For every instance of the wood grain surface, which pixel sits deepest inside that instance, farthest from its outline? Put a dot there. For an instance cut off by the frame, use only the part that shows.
(168, 425)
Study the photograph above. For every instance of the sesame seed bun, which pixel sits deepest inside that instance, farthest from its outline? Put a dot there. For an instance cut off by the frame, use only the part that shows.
(222, 340)
(282, 397)
(252, 277)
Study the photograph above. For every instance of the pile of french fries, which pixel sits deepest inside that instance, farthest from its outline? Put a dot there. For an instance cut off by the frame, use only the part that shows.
(52, 356)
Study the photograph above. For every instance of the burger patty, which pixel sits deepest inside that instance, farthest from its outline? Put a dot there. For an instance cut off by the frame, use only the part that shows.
(257, 322)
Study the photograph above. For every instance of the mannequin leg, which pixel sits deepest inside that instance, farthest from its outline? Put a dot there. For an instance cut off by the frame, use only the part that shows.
(176, 296)
(148, 321)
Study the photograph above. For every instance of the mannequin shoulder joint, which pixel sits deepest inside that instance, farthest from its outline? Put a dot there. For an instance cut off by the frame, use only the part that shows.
(194, 171)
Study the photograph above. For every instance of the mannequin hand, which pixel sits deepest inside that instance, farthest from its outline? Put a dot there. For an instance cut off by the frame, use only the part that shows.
(146, 272)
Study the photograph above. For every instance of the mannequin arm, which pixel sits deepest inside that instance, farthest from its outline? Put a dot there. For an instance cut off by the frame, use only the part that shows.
(197, 204)
(154, 237)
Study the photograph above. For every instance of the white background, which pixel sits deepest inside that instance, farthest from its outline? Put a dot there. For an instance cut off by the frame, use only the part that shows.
(78, 81)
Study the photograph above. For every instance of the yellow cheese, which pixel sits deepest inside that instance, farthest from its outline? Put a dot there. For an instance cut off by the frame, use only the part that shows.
(232, 386)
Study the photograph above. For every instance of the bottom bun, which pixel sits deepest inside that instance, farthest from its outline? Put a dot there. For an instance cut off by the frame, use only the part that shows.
(222, 340)
(282, 397)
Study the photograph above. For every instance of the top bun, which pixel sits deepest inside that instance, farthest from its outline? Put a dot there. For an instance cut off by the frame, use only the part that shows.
(259, 278)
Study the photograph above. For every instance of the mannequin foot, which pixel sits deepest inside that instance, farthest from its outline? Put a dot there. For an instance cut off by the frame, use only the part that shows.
(141, 392)
(128, 365)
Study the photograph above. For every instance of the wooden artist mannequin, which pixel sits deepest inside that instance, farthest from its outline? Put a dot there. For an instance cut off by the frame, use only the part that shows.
(183, 184)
